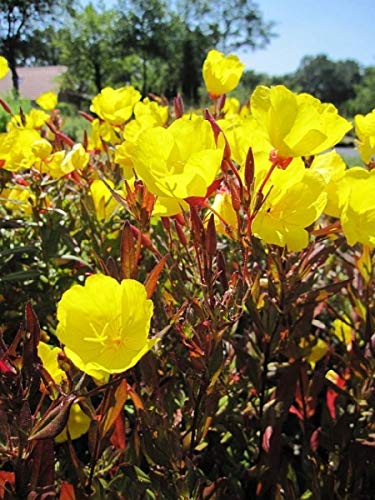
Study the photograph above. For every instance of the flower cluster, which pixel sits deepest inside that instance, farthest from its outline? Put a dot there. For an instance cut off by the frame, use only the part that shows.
(231, 214)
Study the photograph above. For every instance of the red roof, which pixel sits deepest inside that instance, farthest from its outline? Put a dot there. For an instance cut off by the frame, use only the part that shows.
(34, 81)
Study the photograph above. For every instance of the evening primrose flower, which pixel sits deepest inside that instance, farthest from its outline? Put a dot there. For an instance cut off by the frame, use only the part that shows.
(296, 124)
(231, 107)
(49, 357)
(296, 198)
(104, 325)
(153, 109)
(18, 199)
(221, 73)
(365, 130)
(115, 106)
(16, 149)
(4, 67)
(47, 100)
(102, 131)
(36, 119)
(225, 216)
(178, 162)
(356, 199)
(241, 134)
(76, 159)
(78, 422)
(332, 168)
(104, 203)
(132, 130)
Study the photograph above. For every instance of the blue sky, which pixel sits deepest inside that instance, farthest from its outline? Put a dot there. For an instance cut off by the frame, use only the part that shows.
(342, 29)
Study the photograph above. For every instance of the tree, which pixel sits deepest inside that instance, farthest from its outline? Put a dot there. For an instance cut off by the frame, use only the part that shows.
(18, 21)
(152, 32)
(364, 100)
(228, 25)
(87, 45)
(327, 80)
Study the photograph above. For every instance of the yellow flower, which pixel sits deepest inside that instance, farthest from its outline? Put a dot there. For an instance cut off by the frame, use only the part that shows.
(332, 169)
(225, 215)
(4, 67)
(42, 149)
(178, 162)
(60, 163)
(221, 73)
(16, 149)
(241, 134)
(52, 164)
(317, 349)
(132, 130)
(356, 197)
(231, 107)
(152, 109)
(102, 131)
(19, 199)
(115, 106)
(296, 198)
(104, 325)
(49, 357)
(296, 124)
(78, 422)
(365, 130)
(47, 100)
(104, 203)
(343, 332)
(33, 120)
(76, 159)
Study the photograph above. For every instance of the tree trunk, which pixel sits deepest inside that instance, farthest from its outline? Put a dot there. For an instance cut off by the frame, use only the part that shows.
(11, 57)
(144, 85)
(98, 76)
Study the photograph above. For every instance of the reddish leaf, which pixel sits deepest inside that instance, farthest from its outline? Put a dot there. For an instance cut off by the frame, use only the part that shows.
(67, 491)
(267, 434)
(235, 195)
(180, 233)
(145, 240)
(113, 412)
(178, 106)
(331, 400)
(32, 326)
(152, 278)
(197, 226)
(43, 467)
(217, 131)
(118, 437)
(86, 116)
(211, 239)
(6, 478)
(137, 401)
(249, 169)
(314, 439)
(128, 252)
(5, 106)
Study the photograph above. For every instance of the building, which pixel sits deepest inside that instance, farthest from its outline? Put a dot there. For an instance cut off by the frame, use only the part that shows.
(34, 81)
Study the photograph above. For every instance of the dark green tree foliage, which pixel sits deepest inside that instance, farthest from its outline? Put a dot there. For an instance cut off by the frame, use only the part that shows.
(228, 25)
(19, 20)
(149, 33)
(364, 100)
(157, 46)
(328, 80)
(87, 45)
